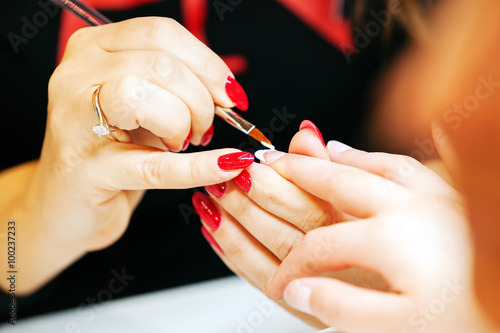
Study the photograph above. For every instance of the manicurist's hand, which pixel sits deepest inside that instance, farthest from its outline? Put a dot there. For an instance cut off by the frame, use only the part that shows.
(158, 85)
(411, 229)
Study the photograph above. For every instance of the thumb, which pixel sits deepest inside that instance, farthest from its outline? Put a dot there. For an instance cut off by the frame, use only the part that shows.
(148, 168)
(309, 142)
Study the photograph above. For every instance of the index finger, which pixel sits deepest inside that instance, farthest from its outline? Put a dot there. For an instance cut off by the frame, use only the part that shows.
(350, 190)
(165, 34)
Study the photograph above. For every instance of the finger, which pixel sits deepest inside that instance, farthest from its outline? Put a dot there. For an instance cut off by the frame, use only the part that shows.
(333, 248)
(132, 102)
(133, 167)
(273, 233)
(340, 304)
(248, 254)
(168, 72)
(164, 34)
(308, 142)
(280, 197)
(350, 190)
(400, 169)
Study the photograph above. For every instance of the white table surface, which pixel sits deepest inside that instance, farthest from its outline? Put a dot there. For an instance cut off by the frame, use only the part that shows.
(218, 306)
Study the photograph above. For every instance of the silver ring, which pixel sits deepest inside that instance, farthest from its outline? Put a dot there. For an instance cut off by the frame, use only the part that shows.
(101, 129)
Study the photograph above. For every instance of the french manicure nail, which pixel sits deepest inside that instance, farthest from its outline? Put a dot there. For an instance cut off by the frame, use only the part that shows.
(337, 147)
(207, 137)
(267, 156)
(235, 161)
(236, 93)
(210, 239)
(218, 190)
(244, 181)
(209, 214)
(298, 296)
(310, 125)
(186, 142)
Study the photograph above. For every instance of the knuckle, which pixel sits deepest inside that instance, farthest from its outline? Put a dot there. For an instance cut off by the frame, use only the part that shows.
(152, 170)
(165, 67)
(287, 243)
(318, 217)
(158, 28)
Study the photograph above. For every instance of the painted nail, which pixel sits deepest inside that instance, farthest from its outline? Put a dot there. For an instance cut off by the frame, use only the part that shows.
(236, 93)
(309, 124)
(209, 214)
(298, 296)
(268, 156)
(235, 161)
(218, 190)
(207, 137)
(210, 239)
(244, 181)
(186, 143)
(337, 147)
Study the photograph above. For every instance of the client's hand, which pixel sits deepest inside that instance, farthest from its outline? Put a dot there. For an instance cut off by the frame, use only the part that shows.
(256, 220)
(411, 229)
(159, 86)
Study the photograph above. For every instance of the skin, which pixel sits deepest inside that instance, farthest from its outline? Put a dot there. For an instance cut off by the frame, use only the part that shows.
(405, 224)
(159, 83)
(432, 83)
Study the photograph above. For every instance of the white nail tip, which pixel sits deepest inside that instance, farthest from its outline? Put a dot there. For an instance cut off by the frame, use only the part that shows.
(260, 154)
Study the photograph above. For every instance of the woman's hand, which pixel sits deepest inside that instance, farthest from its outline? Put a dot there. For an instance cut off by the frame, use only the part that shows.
(159, 86)
(256, 220)
(411, 229)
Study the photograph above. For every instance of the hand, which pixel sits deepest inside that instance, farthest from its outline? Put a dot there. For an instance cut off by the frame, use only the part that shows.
(260, 217)
(411, 230)
(159, 86)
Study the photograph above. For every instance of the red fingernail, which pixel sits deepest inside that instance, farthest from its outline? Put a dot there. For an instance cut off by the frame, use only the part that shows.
(218, 190)
(236, 93)
(309, 124)
(209, 214)
(207, 137)
(186, 143)
(235, 161)
(210, 239)
(244, 181)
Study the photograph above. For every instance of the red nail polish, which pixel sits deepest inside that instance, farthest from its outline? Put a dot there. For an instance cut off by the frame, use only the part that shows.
(244, 181)
(186, 143)
(218, 190)
(309, 124)
(210, 239)
(209, 214)
(207, 137)
(236, 93)
(235, 161)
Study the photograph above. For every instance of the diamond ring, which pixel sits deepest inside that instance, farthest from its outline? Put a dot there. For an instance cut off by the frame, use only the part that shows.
(102, 128)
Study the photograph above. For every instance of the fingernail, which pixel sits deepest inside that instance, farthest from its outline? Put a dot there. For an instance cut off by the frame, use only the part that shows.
(186, 143)
(309, 124)
(244, 181)
(268, 156)
(218, 190)
(209, 214)
(337, 147)
(298, 296)
(329, 330)
(235, 161)
(236, 93)
(210, 239)
(207, 137)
